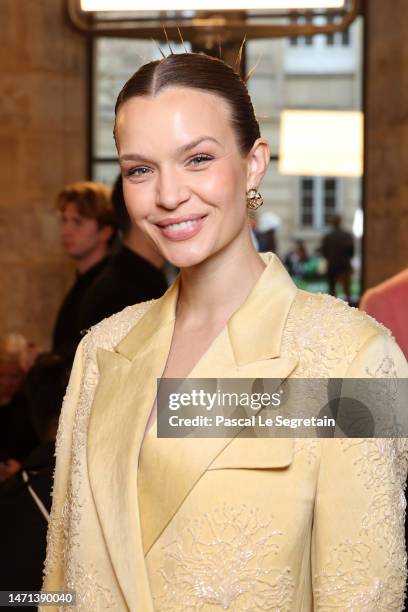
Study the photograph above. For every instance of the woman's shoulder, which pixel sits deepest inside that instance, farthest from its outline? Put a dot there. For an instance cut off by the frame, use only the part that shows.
(329, 336)
(331, 315)
(110, 331)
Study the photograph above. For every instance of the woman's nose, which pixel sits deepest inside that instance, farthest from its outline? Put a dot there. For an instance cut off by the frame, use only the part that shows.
(171, 189)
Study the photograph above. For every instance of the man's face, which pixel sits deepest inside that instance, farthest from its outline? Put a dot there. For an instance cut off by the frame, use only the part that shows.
(80, 235)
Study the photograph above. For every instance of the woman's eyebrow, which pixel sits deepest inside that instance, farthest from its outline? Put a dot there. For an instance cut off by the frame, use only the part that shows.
(180, 150)
(196, 142)
(133, 157)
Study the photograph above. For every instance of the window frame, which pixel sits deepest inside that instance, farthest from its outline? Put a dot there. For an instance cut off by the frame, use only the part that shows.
(318, 207)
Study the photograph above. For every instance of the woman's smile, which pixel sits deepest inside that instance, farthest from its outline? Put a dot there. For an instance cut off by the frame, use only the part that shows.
(181, 228)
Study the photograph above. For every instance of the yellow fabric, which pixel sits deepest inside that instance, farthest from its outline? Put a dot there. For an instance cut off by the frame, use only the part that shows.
(215, 524)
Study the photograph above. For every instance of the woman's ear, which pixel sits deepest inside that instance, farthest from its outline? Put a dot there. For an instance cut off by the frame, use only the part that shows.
(258, 161)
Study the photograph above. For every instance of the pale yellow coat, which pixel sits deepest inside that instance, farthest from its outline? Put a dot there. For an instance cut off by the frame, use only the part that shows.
(221, 524)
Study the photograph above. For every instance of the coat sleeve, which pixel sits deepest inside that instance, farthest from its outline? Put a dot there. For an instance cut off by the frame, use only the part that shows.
(53, 567)
(358, 540)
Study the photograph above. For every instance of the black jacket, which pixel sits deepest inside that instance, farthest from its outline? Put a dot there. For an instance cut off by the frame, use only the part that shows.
(67, 330)
(23, 528)
(126, 280)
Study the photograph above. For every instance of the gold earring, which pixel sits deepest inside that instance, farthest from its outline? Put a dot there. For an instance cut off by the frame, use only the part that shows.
(254, 199)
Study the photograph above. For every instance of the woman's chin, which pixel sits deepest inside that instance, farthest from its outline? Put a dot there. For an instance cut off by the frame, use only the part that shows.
(186, 258)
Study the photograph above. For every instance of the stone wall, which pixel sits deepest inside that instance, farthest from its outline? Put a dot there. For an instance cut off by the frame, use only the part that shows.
(386, 172)
(43, 128)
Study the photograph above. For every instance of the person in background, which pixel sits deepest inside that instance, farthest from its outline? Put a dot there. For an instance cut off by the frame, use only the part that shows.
(388, 303)
(338, 248)
(88, 229)
(25, 498)
(17, 437)
(296, 258)
(267, 224)
(133, 274)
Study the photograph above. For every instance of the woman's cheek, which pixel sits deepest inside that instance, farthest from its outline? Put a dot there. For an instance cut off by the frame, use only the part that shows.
(138, 202)
(218, 183)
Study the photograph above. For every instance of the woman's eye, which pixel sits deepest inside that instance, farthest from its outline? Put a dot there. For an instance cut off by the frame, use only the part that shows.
(137, 172)
(200, 159)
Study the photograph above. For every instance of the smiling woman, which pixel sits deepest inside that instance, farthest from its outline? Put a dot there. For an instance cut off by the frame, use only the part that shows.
(146, 523)
(183, 177)
(186, 178)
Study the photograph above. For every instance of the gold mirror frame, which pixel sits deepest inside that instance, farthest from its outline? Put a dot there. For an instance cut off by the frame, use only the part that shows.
(207, 28)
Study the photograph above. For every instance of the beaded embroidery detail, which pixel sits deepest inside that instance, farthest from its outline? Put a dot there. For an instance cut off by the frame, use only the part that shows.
(346, 582)
(90, 594)
(225, 559)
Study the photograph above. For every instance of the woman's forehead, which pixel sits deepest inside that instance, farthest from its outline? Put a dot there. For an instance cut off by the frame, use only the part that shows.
(175, 111)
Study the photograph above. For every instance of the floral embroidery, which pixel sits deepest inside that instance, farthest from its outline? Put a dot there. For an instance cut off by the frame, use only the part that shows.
(225, 559)
(385, 369)
(381, 462)
(90, 594)
(309, 333)
(308, 447)
(346, 583)
(321, 330)
(384, 522)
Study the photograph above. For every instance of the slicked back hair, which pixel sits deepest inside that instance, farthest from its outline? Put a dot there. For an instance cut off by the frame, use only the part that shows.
(202, 72)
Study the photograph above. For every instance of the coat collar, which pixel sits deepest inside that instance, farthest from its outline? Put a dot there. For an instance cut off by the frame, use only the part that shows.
(255, 329)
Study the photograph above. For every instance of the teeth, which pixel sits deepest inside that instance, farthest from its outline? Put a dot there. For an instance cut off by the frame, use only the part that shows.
(181, 226)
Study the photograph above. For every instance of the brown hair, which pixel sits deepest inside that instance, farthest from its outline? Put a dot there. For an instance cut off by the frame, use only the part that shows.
(197, 71)
(92, 200)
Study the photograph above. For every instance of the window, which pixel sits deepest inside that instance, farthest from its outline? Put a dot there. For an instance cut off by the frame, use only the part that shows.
(339, 38)
(307, 202)
(301, 41)
(318, 201)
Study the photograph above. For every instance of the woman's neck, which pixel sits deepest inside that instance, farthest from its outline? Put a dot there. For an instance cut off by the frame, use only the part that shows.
(213, 290)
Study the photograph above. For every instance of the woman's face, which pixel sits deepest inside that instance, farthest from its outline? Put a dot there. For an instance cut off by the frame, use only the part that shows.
(184, 177)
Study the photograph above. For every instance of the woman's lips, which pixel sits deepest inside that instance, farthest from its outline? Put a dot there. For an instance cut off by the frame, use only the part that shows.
(182, 230)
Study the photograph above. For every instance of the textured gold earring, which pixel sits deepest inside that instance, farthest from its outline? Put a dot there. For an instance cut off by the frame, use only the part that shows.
(254, 199)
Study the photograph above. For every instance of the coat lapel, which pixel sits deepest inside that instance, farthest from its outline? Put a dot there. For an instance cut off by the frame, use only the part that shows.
(122, 404)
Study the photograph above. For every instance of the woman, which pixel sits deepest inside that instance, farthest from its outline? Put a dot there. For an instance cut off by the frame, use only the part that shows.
(145, 523)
